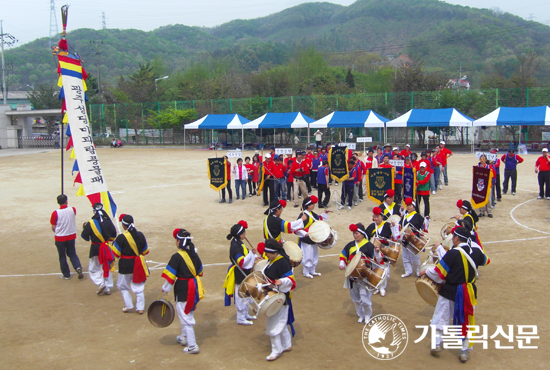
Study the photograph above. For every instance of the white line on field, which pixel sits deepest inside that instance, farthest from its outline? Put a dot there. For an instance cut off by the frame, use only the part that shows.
(517, 222)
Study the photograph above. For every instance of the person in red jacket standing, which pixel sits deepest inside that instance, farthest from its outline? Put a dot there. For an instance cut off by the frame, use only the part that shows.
(299, 170)
(445, 153)
(407, 151)
(542, 167)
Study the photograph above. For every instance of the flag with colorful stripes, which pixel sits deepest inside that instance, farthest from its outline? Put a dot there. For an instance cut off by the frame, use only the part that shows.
(89, 174)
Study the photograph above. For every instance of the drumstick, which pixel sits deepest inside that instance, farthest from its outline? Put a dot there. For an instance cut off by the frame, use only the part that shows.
(256, 253)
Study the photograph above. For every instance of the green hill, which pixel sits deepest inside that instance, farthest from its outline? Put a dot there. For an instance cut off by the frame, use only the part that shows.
(444, 35)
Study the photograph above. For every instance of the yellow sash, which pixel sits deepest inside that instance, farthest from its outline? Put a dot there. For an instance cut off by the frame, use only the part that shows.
(191, 268)
(133, 245)
(96, 231)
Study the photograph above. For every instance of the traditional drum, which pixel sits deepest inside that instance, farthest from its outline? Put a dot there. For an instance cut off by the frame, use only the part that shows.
(265, 302)
(321, 233)
(390, 249)
(446, 229)
(259, 265)
(417, 239)
(370, 277)
(427, 288)
(294, 253)
(161, 313)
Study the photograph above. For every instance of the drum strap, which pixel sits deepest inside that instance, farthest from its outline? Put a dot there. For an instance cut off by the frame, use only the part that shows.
(470, 260)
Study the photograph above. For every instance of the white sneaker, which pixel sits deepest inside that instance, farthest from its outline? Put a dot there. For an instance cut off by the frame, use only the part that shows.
(405, 275)
(191, 350)
(349, 207)
(376, 292)
(273, 356)
(308, 276)
(316, 273)
(182, 340)
(341, 207)
(440, 187)
(101, 289)
(433, 192)
(356, 203)
(382, 292)
(248, 317)
(245, 322)
(360, 200)
(360, 320)
(367, 319)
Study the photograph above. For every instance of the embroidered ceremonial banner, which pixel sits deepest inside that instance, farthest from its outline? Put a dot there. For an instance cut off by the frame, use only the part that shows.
(90, 174)
(338, 163)
(379, 180)
(409, 182)
(217, 173)
(481, 186)
(261, 176)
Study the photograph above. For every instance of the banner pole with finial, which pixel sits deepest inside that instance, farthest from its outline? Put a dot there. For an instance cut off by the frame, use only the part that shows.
(64, 47)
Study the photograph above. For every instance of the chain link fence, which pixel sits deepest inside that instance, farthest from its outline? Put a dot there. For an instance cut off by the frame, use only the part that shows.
(129, 121)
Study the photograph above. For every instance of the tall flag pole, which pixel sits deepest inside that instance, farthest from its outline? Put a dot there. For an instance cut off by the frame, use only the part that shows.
(72, 77)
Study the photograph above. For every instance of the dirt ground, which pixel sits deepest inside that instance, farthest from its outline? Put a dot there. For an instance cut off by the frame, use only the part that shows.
(49, 323)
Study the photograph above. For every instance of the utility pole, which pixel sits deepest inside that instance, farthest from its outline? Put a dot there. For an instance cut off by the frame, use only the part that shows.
(97, 43)
(103, 21)
(5, 38)
(459, 77)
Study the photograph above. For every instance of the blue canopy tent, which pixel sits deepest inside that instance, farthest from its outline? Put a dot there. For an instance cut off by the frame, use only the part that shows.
(218, 122)
(522, 116)
(443, 117)
(280, 120)
(525, 116)
(341, 119)
(367, 118)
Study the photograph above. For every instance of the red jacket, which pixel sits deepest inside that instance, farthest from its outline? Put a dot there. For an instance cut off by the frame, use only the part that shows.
(297, 166)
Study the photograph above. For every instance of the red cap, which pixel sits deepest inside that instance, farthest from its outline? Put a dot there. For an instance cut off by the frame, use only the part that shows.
(282, 202)
(175, 233)
(376, 211)
(314, 199)
(243, 224)
(261, 248)
(389, 193)
(408, 201)
(459, 203)
(353, 227)
(121, 217)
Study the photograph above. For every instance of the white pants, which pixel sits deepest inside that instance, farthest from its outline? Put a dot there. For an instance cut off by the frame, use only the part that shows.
(361, 298)
(96, 273)
(310, 258)
(410, 261)
(124, 284)
(385, 283)
(443, 314)
(187, 322)
(276, 329)
(242, 306)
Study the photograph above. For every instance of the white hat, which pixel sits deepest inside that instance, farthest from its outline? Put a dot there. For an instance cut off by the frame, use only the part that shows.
(442, 142)
(395, 148)
(268, 155)
(545, 150)
(408, 145)
(423, 164)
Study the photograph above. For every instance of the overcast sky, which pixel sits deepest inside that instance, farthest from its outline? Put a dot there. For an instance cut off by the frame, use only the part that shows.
(30, 19)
